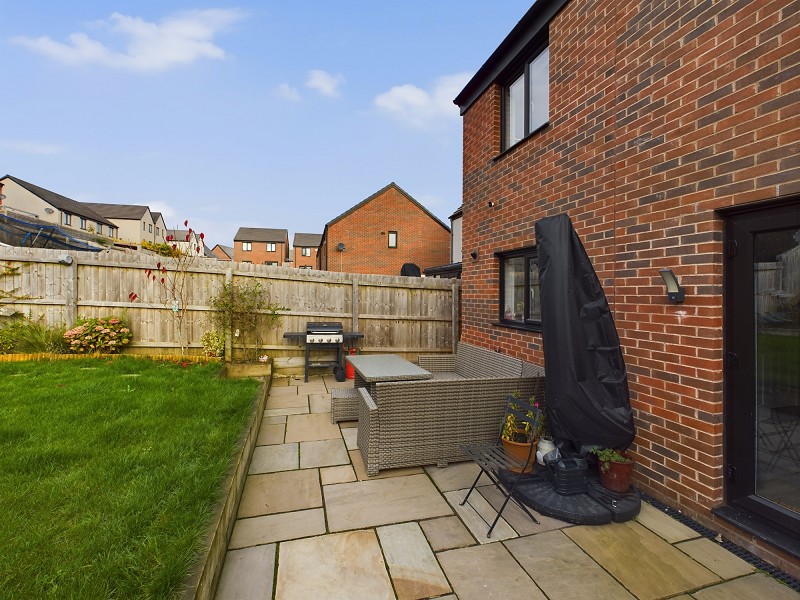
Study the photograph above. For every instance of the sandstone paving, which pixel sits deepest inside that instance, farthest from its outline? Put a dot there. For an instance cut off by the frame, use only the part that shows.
(319, 403)
(280, 492)
(274, 420)
(412, 565)
(312, 388)
(516, 517)
(341, 565)
(338, 474)
(323, 453)
(487, 572)
(277, 528)
(477, 515)
(248, 573)
(562, 569)
(716, 558)
(381, 502)
(644, 563)
(753, 587)
(283, 412)
(456, 476)
(281, 391)
(663, 525)
(294, 401)
(311, 427)
(270, 433)
(361, 470)
(350, 436)
(270, 459)
(348, 424)
(446, 533)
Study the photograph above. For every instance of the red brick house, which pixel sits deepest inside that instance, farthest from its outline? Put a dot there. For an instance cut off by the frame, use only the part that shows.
(382, 233)
(224, 253)
(669, 132)
(261, 246)
(305, 247)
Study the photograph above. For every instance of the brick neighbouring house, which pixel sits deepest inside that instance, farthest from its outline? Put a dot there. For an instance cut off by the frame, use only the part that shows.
(382, 233)
(261, 246)
(305, 248)
(670, 133)
(223, 253)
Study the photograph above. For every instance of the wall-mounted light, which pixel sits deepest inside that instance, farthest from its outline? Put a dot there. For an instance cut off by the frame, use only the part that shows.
(491, 203)
(675, 292)
(474, 255)
(340, 247)
(49, 210)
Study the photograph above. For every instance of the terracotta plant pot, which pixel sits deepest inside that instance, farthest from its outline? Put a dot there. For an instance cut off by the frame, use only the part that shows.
(616, 476)
(520, 450)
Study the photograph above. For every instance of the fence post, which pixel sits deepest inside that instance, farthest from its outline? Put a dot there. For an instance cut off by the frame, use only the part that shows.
(354, 324)
(227, 330)
(71, 293)
(456, 315)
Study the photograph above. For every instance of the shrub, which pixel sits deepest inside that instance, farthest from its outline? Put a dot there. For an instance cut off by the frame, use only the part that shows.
(22, 336)
(213, 344)
(98, 335)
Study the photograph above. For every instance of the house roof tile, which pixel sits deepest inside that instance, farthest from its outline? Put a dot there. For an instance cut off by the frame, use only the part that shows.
(260, 234)
(307, 240)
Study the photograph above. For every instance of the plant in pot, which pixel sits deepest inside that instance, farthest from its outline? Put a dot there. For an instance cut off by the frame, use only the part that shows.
(616, 469)
(518, 436)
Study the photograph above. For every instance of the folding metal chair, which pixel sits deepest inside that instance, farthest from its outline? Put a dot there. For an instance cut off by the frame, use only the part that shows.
(493, 458)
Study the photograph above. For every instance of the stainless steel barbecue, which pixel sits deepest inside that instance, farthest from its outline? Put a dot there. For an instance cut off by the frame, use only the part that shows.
(324, 335)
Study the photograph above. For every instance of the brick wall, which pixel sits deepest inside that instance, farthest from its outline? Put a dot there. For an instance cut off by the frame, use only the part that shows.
(259, 255)
(660, 113)
(304, 261)
(420, 238)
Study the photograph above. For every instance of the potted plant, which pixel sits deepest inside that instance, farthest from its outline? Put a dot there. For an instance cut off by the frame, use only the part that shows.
(518, 437)
(616, 468)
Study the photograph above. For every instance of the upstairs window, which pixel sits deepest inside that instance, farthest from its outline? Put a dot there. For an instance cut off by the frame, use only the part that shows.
(67, 219)
(392, 239)
(100, 229)
(83, 223)
(247, 246)
(158, 232)
(526, 100)
(149, 229)
(270, 246)
(519, 300)
(144, 226)
(305, 251)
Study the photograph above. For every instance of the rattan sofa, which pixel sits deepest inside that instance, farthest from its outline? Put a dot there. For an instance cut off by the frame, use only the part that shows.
(470, 362)
(415, 423)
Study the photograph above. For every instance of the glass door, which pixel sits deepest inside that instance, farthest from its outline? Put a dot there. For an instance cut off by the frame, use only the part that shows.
(762, 374)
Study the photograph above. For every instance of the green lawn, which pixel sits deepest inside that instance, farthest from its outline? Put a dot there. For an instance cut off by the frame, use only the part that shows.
(109, 473)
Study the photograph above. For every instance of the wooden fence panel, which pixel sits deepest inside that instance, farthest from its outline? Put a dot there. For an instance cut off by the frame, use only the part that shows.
(396, 314)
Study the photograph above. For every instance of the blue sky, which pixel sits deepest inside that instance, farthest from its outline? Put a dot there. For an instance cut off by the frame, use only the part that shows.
(253, 114)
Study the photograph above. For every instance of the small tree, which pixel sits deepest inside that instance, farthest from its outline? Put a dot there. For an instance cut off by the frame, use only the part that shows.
(170, 276)
(8, 296)
(244, 312)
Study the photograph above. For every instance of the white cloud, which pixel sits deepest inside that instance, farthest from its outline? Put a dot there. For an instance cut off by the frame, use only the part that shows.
(287, 92)
(181, 38)
(30, 147)
(325, 83)
(420, 108)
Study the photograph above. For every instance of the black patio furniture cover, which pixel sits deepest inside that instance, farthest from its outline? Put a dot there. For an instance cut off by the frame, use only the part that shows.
(587, 383)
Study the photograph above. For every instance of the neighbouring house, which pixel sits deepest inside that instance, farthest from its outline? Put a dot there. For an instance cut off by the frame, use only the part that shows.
(382, 233)
(669, 132)
(159, 226)
(222, 252)
(189, 242)
(261, 246)
(28, 200)
(306, 249)
(135, 222)
(453, 269)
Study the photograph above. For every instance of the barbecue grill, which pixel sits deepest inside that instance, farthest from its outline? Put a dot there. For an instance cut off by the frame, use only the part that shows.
(324, 335)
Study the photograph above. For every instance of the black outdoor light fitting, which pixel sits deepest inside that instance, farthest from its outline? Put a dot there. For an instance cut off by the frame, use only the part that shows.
(675, 292)
(474, 255)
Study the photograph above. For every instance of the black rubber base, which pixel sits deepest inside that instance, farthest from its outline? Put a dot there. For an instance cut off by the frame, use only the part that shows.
(596, 507)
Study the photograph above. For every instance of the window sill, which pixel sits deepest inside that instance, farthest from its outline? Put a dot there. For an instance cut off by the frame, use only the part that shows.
(522, 141)
(518, 326)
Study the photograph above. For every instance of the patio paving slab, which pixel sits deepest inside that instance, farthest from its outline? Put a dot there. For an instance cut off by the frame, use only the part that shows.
(309, 428)
(340, 474)
(753, 587)
(270, 459)
(716, 558)
(477, 515)
(287, 402)
(446, 533)
(343, 565)
(412, 565)
(487, 572)
(323, 453)
(644, 563)
(382, 502)
(281, 392)
(278, 412)
(248, 573)
(274, 420)
(319, 403)
(270, 433)
(280, 492)
(347, 424)
(562, 570)
(312, 388)
(664, 525)
(350, 436)
(361, 470)
(516, 517)
(277, 528)
(456, 476)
